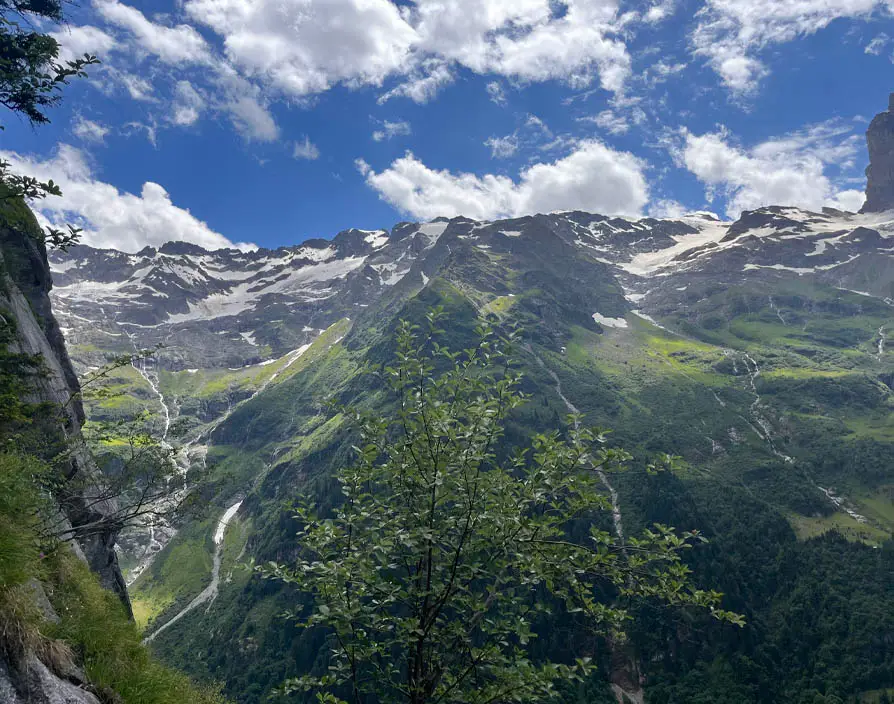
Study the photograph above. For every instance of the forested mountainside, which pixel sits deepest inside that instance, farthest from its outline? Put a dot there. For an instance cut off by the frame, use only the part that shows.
(755, 349)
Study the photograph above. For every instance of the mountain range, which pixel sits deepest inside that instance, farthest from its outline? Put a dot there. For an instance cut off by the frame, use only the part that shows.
(757, 349)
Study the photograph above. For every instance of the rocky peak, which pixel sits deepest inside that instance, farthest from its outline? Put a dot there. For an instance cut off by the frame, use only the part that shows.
(880, 172)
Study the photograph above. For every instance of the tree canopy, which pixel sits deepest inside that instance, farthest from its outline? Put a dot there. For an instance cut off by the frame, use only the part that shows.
(445, 550)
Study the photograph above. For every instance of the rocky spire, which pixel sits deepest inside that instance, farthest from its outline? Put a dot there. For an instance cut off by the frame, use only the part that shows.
(880, 172)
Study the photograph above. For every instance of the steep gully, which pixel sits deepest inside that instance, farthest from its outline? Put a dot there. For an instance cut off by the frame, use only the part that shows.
(182, 455)
(764, 429)
(625, 680)
(158, 530)
(613, 494)
(209, 593)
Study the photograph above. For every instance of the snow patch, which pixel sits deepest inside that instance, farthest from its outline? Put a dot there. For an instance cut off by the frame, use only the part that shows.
(432, 231)
(648, 318)
(245, 295)
(377, 239)
(316, 255)
(224, 522)
(609, 322)
(61, 267)
(779, 267)
(647, 263)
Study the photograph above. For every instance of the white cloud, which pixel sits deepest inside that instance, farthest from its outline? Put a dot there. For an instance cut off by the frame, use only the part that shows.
(731, 33)
(290, 43)
(188, 104)
(667, 209)
(181, 46)
(390, 130)
(149, 128)
(89, 131)
(502, 147)
(610, 121)
(172, 45)
(306, 46)
(298, 48)
(111, 218)
(593, 177)
(138, 88)
(245, 105)
(532, 134)
(659, 12)
(661, 71)
(526, 39)
(74, 42)
(496, 92)
(787, 171)
(306, 150)
(251, 118)
(850, 200)
(423, 84)
(877, 45)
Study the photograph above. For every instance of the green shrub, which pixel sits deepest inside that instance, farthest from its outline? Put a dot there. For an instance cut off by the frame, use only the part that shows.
(20, 509)
(93, 627)
(94, 624)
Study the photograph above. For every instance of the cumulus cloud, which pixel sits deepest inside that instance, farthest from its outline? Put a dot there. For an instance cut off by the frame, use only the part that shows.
(659, 12)
(730, 34)
(289, 43)
(790, 170)
(389, 130)
(527, 39)
(89, 131)
(593, 177)
(178, 49)
(304, 47)
(112, 218)
(173, 45)
(273, 49)
(74, 42)
(666, 209)
(306, 149)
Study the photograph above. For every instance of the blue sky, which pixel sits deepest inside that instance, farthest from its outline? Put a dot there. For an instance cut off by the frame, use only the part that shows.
(271, 121)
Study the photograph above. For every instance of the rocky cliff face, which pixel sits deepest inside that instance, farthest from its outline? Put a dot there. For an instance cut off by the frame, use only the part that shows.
(25, 294)
(25, 284)
(880, 172)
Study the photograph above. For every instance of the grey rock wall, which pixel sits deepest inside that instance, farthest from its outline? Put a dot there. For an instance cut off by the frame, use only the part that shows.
(880, 172)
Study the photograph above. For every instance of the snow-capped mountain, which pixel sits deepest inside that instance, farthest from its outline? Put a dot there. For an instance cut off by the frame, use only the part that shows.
(228, 308)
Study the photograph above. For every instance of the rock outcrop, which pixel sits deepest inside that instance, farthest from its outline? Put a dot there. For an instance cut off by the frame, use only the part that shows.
(880, 172)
